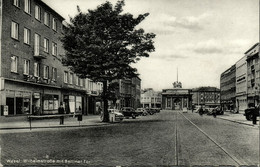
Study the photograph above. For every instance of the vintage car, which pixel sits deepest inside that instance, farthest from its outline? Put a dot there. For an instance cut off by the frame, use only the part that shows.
(118, 116)
(249, 112)
(129, 112)
(141, 111)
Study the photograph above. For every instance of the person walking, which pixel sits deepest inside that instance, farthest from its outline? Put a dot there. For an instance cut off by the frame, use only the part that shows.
(200, 111)
(61, 111)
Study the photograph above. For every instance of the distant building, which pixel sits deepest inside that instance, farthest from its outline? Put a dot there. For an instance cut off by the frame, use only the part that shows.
(241, 84)
(129, 93)
(253, 75)
(228, 89)
(176, 98)
(206, 96)
(151, 98)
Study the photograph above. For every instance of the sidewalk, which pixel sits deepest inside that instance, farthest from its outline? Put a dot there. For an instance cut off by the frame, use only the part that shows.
(24, 123)
(238, 118)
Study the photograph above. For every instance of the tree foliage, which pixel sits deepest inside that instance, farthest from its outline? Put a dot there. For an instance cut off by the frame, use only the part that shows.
(103, 43)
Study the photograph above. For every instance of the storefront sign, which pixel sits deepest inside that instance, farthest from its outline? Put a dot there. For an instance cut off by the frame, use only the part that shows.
(36, 95)
(5, 108)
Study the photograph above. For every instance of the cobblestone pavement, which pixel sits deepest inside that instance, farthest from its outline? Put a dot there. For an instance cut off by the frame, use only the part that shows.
(165, 139)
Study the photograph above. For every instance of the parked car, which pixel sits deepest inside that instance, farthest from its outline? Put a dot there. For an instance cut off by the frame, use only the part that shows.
(151, 111)
(157, 110)
(141, 111)
(216, 110)
(129, 112)
(118, 116)
(249, 112)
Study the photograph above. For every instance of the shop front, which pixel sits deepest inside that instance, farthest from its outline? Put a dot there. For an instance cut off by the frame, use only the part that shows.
(18, 102)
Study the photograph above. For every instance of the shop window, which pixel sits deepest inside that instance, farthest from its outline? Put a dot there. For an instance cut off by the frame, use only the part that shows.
(10, 104)
(50, 103)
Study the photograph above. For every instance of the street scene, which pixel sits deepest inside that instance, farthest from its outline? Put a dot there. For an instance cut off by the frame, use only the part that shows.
(129, 83)
(165, 138)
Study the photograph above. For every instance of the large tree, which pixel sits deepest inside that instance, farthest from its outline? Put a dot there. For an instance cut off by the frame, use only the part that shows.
(101, 44)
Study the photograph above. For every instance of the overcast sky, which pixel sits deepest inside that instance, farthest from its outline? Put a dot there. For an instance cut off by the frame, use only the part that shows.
(202, 38)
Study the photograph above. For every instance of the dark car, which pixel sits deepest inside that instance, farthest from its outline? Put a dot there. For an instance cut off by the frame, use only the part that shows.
(151, 111)
(157, 110)
(249, 112)
(129, 112)
(216, 110)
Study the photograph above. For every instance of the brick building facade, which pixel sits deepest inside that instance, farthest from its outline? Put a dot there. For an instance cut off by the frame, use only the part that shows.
(33, 79)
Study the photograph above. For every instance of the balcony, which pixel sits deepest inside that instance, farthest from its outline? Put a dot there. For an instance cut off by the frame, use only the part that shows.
(39, 52)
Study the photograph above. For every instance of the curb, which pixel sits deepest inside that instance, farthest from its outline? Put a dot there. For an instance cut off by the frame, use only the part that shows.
(238, 122)
(55, 126)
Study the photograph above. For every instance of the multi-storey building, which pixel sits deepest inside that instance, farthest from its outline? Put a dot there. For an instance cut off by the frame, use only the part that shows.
(151, 98)
(241, 84)
(206, 96)
(128, 93)
(228, 89)
(33, 79)
(253, 75)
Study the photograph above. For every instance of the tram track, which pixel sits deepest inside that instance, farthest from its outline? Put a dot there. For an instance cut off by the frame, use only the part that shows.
(231, 156)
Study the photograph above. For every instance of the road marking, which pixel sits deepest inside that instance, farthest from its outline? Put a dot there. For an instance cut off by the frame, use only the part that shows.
(176, 141)
(230, 155)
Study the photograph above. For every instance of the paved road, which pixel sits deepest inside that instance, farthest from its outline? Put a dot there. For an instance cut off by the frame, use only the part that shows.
(167, 138)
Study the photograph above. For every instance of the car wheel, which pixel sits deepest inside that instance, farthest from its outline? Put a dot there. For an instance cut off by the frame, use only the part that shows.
(249, 117)
(133, 116)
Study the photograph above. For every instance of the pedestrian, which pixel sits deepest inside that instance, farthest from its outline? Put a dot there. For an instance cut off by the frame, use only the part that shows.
(214, 112)
(200, 111)
(256, 110)
(61, 112)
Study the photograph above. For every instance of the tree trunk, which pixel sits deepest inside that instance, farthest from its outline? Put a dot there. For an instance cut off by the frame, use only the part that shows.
(105, 109)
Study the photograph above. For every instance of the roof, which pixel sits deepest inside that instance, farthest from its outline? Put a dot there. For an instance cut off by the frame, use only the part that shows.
(51, 9)
(205, 89)
(252, 47)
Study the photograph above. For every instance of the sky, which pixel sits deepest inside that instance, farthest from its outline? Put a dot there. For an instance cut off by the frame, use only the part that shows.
(200, 38)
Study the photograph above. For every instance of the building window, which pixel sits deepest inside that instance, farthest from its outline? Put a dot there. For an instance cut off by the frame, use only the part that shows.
(46, 19)
(27, 35)
(65, 77)
(54, 74)
(36, 69)
(37, 12)
(81, 82)
(46, 45)
(70, 78)
(54, 49)
(27, 6)
(14, 63)
(16, 3)
(76, 80)
(26, 67)
(36, 44)
(14, 30)
(46, 72)
(54, 24)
